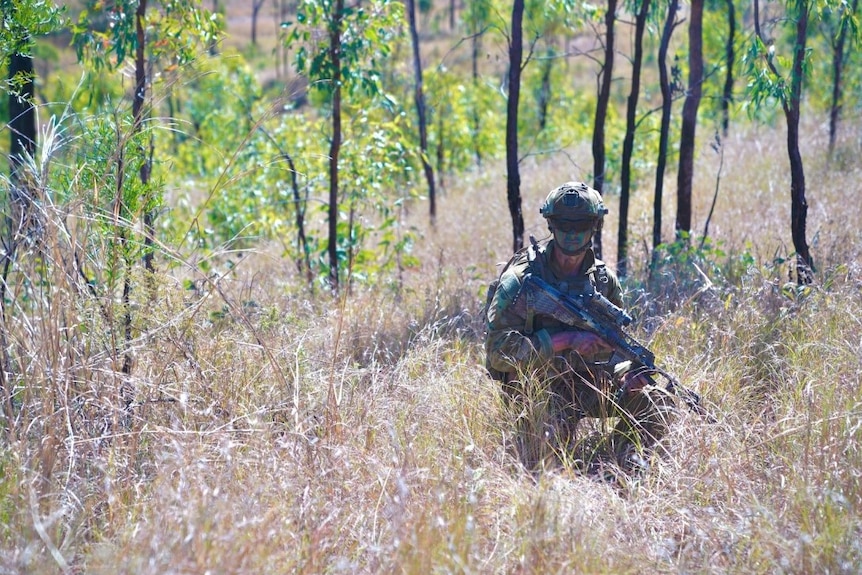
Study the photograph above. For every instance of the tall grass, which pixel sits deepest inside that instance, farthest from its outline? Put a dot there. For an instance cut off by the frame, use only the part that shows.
(273, 433)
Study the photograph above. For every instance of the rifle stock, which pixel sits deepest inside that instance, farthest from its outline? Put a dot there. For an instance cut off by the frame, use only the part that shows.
(593, 312)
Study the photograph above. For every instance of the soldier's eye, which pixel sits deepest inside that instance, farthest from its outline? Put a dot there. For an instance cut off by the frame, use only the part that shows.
(578, 227)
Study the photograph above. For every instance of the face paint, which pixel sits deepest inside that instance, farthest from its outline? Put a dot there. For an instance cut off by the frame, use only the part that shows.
(573, 243)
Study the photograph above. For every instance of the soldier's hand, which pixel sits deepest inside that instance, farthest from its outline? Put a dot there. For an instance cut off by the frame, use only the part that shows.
(634, 381)
(583, 342)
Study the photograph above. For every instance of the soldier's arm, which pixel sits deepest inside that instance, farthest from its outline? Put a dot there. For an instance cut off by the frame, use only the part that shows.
(508, 347)
(615, 291)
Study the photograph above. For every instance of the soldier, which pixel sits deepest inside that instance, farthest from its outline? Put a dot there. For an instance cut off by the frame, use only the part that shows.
(557, 374)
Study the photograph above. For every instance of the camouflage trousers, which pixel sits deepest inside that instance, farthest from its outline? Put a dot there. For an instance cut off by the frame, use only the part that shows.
(548, 411)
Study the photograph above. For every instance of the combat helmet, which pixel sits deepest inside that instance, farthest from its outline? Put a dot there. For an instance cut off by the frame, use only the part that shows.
(574, 202)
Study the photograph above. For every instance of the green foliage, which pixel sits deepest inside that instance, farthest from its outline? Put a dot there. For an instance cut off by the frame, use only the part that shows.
(23, 21)
(452, 103)
(769, 68)
(682, 267)
(477, 15)
(103, 180)
(765, 83)
(715, 31)
(367, 35)
(83, 92)
(105, 34)
(834, 19)
(375, 155)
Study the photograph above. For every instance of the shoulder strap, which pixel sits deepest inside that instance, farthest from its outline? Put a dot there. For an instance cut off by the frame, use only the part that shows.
(600, 277)
(536, 263)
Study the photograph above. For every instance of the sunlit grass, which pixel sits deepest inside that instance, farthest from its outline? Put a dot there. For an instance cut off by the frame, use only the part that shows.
(272, 432)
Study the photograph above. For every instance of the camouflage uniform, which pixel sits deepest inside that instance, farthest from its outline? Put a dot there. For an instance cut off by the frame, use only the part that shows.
(570, 386)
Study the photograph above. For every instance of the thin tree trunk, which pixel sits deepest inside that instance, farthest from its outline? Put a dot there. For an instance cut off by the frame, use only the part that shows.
(452, 15)
(730, 57)
(256, 5)
(335, 144)
(791, 107)
(278, 51)
(419, 99)
(285, 59)
(441, 151)
(629, 139)
(799, 206)
(685, 175)
(513, 180)
(213, 47)
(22, 134)
(545, 86)
(476, 44)
(837, 86)
(302, 264)
(22, 115)
(254, 25)
(139, 115)
(602, 112)
(664, 132)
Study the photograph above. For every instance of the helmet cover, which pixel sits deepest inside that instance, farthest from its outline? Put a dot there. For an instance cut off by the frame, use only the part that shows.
(572, 202)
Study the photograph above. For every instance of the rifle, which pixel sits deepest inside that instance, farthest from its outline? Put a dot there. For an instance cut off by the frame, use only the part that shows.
(595, 313)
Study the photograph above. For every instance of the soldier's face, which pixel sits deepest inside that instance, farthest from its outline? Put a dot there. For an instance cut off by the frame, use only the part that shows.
(573, 237)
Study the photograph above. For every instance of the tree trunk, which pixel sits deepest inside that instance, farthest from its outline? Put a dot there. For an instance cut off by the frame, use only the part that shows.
(685, 175)
(213, 47)
(280, 51)
(545, 86)
(441, 152)
(419, 99)
(303, 264)
(139, 115)
(452, 15)
(22, 133)
(838, 62)
(513, 180)
(22, 115)
(664, 132)
(730, 56)
(629, 139)
(476, 44)
(799, 206)
(256, 5)
(335, 144)
(602, 112)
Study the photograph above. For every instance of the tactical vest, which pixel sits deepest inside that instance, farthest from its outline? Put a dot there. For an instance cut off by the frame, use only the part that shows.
(535, 256)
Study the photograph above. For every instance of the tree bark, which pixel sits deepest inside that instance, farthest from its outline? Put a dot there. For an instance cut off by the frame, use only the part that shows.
(22, 115)
(730, 57)
(335, 144)
(545, 86)
(602, 112)
(419, 99)
(798, 203)
(629, 139)
(452, 15)
(838, 62)
(476, 45)
(664, 132)
(513, 180)
(256, 5)
(685, 176)
(22, 133)
(139, 116)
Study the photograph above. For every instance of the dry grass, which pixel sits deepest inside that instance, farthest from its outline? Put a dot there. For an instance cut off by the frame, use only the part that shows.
(276, 433)
(291, 435)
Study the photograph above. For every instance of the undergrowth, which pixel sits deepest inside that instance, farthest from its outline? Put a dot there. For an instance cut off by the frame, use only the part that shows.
(262, 430)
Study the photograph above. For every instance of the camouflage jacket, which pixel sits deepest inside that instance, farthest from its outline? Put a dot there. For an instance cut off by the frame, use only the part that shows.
(515, 341)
